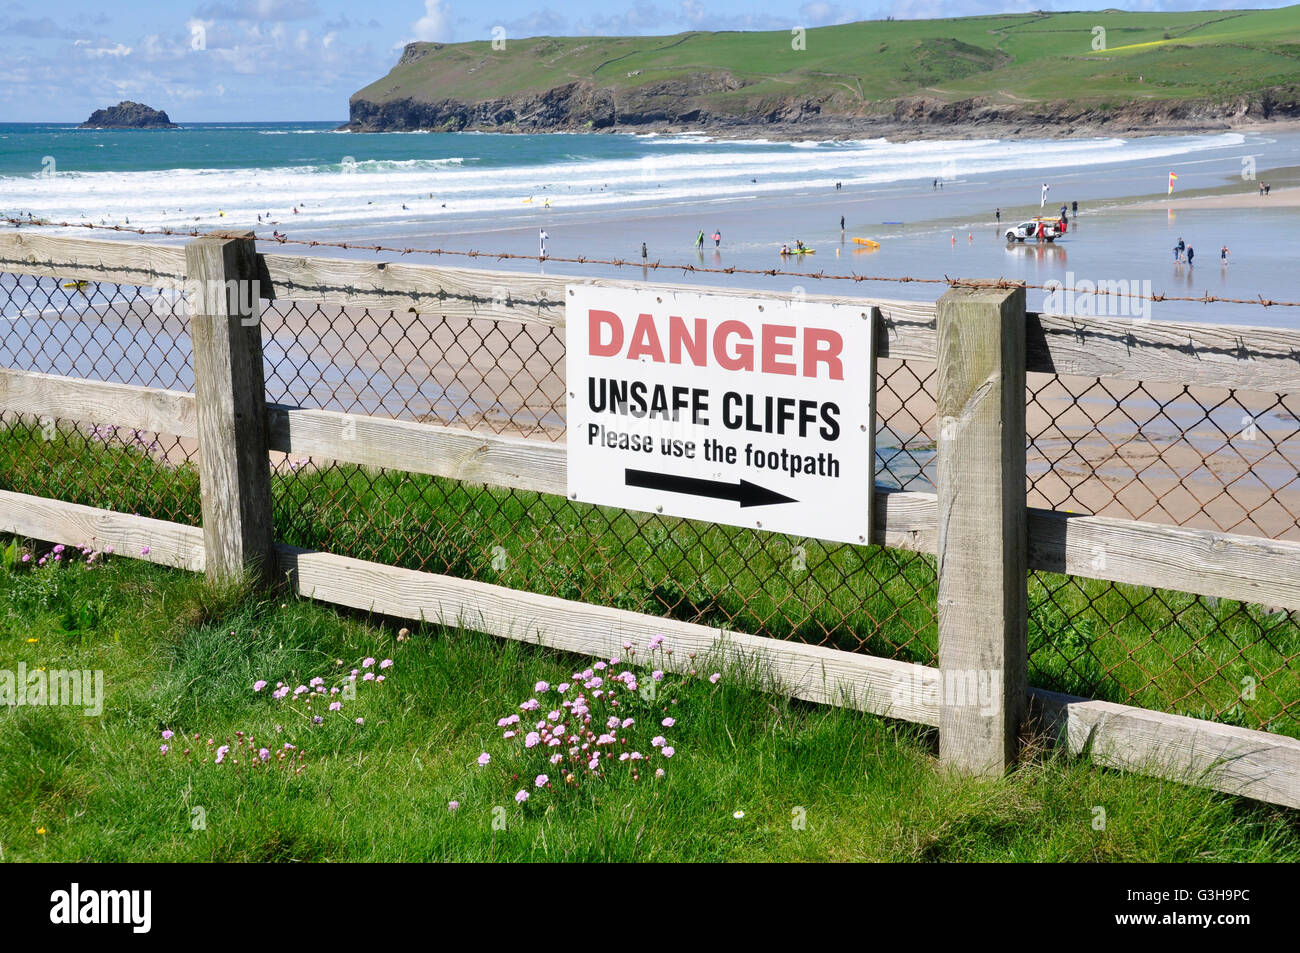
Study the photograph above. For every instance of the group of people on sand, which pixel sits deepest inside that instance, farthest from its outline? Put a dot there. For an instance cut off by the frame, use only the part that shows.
(1184, 252)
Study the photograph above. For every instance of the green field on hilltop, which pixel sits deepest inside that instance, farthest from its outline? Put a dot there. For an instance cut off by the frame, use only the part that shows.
(858, 67)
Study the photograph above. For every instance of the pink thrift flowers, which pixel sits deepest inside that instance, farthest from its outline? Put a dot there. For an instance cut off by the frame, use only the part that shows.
(600, 726)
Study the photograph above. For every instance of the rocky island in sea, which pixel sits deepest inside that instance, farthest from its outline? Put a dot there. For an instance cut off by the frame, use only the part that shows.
(128, 115)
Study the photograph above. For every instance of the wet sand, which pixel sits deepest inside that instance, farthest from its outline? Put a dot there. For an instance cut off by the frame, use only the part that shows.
(1200, 458)
(1277, 198)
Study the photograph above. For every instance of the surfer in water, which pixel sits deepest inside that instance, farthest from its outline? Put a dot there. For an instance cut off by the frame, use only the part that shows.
(699, 239)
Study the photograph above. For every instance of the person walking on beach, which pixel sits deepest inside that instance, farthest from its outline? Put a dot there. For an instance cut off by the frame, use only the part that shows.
(1074, 209)
(1223, 254)
(841, 226)
(1191, 253)
(1179, 248)
(644, 254)
(717, 238)
(997, 214)
(541, 240)
(934, 186)
(699, 239)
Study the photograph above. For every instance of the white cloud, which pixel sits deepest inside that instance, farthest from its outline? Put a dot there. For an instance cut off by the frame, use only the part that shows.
(821, 13)
(118, 50)
(434, 25)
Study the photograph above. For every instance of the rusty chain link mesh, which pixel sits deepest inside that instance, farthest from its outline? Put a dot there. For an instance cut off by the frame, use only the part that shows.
(1194, 456)
(507, 377)
(1187, 456)
(103, 332)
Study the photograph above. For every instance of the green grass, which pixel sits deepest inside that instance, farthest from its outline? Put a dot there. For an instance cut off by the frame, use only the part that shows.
(1157, 649)
(862, 67)
(178, 655)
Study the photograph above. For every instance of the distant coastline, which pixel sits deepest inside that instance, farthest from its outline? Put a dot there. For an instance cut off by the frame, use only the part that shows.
(909, 120)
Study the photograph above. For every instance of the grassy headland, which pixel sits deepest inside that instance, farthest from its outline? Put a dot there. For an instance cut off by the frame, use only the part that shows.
(1185, 69)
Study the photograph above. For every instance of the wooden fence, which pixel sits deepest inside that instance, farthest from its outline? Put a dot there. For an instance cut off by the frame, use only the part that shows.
(985, 539)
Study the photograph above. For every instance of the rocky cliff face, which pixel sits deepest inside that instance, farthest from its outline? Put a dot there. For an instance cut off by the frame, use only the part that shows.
(684, 103)
(128, 115)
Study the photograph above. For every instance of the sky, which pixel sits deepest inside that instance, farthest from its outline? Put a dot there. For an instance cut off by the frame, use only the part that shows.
(286, 60)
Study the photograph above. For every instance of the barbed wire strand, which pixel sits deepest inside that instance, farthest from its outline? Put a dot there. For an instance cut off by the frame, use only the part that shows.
(686, 267)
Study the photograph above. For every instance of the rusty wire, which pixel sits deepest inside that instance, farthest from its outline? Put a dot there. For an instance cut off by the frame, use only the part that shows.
(685, 268)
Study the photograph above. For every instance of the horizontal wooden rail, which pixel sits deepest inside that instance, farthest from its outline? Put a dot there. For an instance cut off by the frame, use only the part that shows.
(1225, 565)
(1235, 760)
(1206, 754)
(98, 402)
(158, 541)
(811, 672)
(1248, 358)
(93, 259)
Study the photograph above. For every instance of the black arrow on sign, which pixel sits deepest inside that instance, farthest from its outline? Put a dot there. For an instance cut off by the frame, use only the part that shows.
(744, 492)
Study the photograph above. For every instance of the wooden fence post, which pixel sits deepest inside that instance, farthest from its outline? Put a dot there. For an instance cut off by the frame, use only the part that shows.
(982, 549)
(230, 399)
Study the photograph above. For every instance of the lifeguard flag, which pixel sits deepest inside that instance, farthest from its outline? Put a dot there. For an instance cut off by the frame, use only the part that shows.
(1173, 177)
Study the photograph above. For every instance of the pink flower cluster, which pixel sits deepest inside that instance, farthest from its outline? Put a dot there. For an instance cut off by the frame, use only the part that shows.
(242, 745)
(316, 689)
(61, 555)
(608, 715)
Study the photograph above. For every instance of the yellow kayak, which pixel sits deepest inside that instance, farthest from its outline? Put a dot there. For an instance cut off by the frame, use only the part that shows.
(799, 251)
(866, 241)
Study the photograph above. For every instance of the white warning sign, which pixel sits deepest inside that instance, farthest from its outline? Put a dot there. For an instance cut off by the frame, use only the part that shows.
(747, 411)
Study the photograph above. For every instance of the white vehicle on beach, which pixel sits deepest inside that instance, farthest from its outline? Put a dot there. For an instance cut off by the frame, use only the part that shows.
(1029, 230)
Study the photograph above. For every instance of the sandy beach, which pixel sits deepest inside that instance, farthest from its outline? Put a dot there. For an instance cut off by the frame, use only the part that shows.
(1276, 198)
